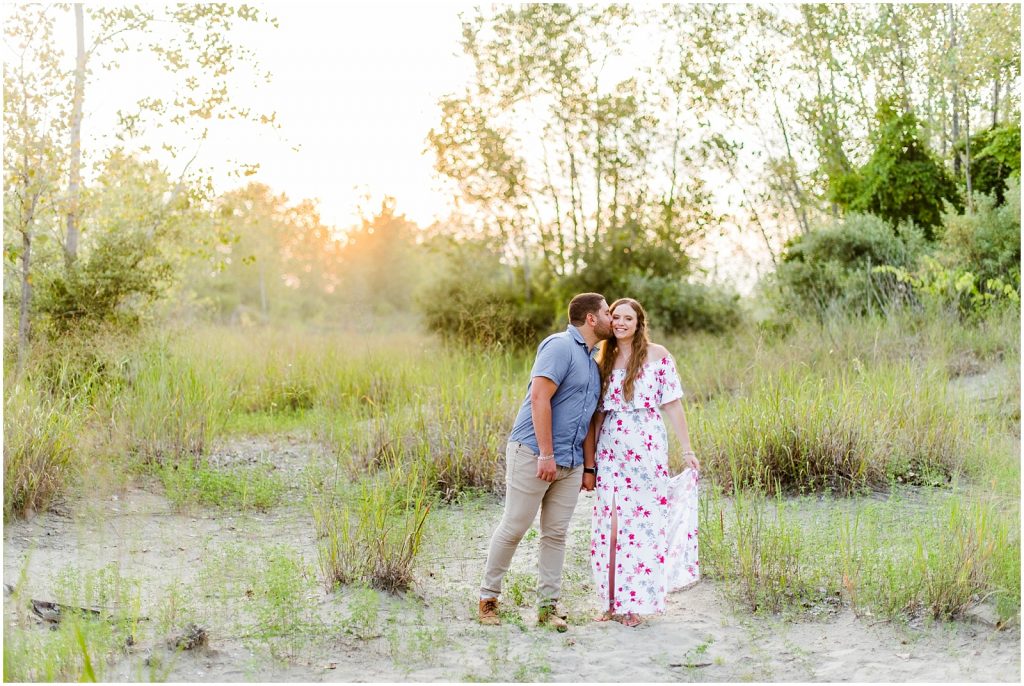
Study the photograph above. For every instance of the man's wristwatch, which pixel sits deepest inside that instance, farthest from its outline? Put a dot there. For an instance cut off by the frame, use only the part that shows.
(590, 470)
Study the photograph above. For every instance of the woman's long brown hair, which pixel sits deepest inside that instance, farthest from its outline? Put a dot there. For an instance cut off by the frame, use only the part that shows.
(609, 349)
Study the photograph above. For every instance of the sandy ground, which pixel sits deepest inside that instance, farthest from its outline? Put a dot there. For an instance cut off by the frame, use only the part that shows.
(429, 634)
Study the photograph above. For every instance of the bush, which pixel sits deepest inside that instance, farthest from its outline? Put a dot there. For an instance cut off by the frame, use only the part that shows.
(677, 307)
(986, 242)
(832, 267)
(486, 314)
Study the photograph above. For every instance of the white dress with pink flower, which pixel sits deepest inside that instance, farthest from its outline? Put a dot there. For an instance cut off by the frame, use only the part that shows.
(656, 549)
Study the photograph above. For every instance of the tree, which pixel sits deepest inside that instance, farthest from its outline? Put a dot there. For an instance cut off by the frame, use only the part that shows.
(902, 180)
(44, 111)
(556, 157)
(32, 155)
(382, 265)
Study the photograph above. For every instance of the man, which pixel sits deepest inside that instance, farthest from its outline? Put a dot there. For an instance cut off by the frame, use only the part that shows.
(547, 464)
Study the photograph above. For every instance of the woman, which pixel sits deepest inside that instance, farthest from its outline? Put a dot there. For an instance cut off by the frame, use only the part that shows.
(644, 527)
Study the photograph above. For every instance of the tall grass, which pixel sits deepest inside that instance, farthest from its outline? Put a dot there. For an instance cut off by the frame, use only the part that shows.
(452, 423)
(933, 554)
(41, 434)
(370, 532)
(860, 429)
(173, 404)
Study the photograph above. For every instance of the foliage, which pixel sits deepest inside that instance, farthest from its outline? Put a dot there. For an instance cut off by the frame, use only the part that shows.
(478, 301)
(832, 267)
(678, 307)
(931, 281)
(551, 156)
(41, 439)
(381, 264)
(903, 180)
(995, 158)
(986, 241)
(271, 259)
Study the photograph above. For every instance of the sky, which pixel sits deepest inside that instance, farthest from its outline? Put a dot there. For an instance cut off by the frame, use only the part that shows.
(355, 89)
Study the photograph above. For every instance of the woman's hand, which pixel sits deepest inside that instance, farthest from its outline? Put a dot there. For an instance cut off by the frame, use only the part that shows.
(691, 461)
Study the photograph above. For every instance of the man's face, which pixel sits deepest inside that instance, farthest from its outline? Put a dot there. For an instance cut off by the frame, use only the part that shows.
(603, 322)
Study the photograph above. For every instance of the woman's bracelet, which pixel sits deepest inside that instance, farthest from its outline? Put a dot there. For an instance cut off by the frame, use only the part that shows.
(545, 458)
(689, 452)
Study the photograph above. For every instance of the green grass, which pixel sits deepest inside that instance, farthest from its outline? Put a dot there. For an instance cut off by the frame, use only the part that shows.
(81, 645)
(371, 531)
(914, 553)
(195, 482)
(41, 437)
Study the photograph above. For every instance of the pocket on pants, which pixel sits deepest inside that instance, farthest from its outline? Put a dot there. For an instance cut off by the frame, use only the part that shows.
(517, 455)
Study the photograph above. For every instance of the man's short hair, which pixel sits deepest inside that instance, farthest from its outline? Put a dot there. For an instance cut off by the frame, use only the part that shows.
(582, 305)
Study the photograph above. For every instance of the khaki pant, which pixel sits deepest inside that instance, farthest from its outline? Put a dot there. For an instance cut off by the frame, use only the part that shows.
(524, 494)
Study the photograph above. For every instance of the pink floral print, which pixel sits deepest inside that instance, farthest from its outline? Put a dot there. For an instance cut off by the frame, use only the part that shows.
(656, 544)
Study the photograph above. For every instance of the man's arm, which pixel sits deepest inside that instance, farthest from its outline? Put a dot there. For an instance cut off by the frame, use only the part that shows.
(541, 391)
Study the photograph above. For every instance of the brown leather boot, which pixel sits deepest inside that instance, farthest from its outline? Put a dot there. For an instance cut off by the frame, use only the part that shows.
(489, 612)
(553, 616)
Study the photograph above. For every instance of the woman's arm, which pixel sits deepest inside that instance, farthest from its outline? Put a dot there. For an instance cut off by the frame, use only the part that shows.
(675, 417)
(590, 451)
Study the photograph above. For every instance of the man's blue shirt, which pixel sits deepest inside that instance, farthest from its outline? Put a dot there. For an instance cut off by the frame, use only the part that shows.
(565, 359)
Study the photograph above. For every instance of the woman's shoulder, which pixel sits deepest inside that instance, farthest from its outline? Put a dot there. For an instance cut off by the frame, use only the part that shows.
(657, 352)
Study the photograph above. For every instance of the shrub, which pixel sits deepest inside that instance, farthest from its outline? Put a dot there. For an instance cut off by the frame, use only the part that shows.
(486, 312)
(678, 307)
(986, 242)
(831, 268)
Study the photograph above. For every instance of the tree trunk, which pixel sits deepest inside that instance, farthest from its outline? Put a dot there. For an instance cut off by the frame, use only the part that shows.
(967, 165)
(798, 210)
(26, 295)
(956, 88)
(263, 290)
(995, 100)
(75, 170)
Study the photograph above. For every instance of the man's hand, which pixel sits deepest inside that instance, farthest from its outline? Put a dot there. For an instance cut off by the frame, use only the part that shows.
(589, 482)
(547, 470)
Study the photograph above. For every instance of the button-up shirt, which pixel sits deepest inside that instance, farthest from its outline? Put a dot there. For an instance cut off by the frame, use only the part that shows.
(564, 359)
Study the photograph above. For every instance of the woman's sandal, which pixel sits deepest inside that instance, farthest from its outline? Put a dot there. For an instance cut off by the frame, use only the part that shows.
(629, 619)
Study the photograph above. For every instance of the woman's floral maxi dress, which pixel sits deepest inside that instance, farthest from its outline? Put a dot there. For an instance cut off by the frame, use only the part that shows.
(656, 549)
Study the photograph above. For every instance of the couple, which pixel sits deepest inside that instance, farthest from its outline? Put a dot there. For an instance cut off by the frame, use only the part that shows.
(597, 426)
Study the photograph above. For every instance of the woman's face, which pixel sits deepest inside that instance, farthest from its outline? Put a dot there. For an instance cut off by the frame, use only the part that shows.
(624, 321)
